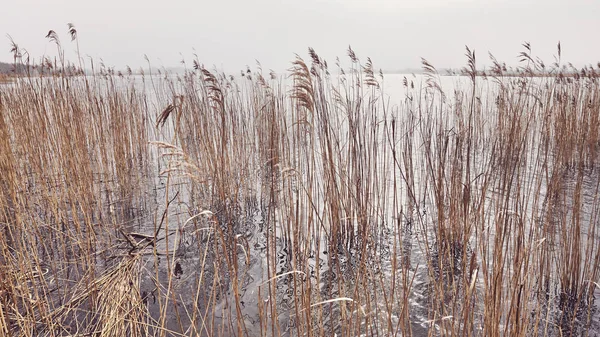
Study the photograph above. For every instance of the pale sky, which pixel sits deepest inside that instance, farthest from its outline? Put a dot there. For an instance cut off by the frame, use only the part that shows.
(231, 34)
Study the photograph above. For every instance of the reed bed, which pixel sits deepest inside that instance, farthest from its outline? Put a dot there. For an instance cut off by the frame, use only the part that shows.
(303, 204)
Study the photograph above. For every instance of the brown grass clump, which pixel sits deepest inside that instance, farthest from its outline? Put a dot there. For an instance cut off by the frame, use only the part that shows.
(4, 78)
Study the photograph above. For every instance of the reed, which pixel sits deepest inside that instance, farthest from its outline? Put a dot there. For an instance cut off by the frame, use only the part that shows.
(303, 204)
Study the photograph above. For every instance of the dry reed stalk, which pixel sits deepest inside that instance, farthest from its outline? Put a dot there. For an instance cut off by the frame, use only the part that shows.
(475, 205)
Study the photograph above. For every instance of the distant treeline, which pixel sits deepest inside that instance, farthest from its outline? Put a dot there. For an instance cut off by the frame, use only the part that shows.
(6, 68)
(11, 69)
(570, 71)
(47, 68)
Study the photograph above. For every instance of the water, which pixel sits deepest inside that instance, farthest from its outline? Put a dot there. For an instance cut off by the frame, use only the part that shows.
(192, 264)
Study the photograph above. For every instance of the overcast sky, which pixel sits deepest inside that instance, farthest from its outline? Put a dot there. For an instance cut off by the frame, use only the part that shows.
(231, 34)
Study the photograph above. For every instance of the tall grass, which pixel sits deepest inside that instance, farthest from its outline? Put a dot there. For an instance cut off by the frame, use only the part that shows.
(304, 204)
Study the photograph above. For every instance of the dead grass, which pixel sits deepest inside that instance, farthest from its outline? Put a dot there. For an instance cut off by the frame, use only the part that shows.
(308, 206)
